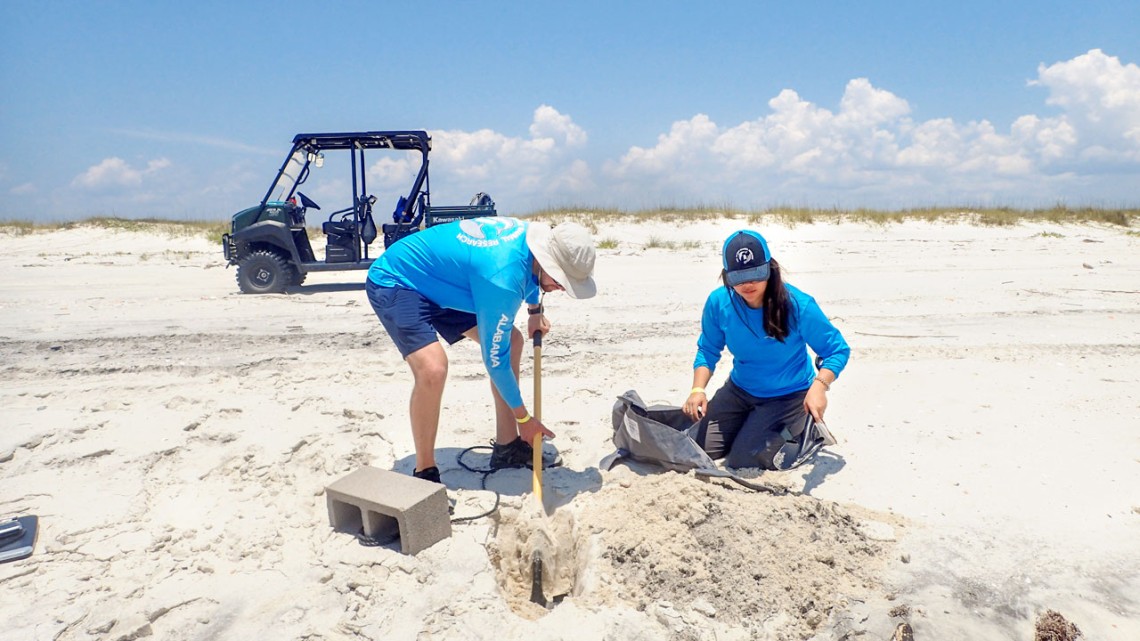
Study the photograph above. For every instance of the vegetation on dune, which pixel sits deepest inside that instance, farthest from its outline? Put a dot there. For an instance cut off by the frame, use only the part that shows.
(174, 228)
(989, 216)
(591, 217)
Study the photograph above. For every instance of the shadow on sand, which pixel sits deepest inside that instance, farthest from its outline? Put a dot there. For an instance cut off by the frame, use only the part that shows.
(562, 484)
(326, 288)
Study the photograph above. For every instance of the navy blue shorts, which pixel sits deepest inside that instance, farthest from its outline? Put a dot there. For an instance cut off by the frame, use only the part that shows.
(412, 320)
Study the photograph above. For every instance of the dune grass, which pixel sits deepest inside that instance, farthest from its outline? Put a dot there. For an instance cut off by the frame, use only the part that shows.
(591, 217)
(987, 216)
(211, 230)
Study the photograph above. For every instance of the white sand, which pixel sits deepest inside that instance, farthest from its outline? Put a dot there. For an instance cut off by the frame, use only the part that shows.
(175, 437)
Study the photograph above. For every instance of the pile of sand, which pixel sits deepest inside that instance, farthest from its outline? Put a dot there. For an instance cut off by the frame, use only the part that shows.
(701, 552)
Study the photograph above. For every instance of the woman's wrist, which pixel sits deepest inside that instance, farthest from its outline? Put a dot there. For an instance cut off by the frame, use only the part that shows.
(698, 390)
(826, 385)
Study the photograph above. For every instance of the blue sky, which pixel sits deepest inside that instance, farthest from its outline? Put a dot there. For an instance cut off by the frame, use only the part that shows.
(185, 111)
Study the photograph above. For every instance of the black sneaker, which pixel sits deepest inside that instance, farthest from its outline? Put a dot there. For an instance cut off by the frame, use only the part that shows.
(428, 474)
(519, 453)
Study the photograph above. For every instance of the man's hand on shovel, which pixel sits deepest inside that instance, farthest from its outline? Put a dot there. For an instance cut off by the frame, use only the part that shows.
(537, 322)
(532, 428)
(529, 431)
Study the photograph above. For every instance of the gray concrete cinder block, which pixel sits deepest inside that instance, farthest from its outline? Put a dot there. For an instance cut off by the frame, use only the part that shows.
(383, 503)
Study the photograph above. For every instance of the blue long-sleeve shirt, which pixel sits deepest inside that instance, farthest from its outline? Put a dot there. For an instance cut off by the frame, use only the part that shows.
(480, 266)
(763, 366)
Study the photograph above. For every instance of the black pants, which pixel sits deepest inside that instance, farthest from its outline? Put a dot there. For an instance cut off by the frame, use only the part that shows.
(748, 431)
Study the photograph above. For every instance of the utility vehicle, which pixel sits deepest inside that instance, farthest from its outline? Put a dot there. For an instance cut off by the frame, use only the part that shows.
(269, 243)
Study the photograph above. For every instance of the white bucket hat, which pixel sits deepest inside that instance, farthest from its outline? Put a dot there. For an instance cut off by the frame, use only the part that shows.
(566, 252)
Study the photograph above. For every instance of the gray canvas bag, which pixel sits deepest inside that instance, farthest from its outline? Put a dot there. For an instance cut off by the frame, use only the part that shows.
(663, 435)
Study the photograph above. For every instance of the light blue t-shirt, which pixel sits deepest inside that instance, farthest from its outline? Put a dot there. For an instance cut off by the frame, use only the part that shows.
(481, 266)
(763, 366)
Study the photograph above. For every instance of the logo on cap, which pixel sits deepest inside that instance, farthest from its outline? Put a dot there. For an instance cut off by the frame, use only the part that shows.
(744, 256)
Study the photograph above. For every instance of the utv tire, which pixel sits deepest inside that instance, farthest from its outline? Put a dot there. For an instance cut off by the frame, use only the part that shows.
(264, 272)
(298, 276)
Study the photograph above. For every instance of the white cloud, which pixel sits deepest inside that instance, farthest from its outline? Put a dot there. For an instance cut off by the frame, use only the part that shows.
(1051, 138)
(863, 105)
(869, 150)
(1100, 98)
(865, 149)
(798, 144)
(872, 150)
(798, 140)
(535, 171)
(685, 142)
(115, 172)
(548, 123)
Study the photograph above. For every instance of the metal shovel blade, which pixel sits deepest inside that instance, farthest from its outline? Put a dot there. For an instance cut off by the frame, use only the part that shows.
(536, 595)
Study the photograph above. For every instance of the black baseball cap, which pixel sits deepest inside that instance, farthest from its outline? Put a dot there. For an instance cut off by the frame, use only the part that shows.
(746, 257)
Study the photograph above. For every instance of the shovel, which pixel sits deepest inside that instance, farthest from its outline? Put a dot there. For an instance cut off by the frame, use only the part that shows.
(536, 481)
(536, 595)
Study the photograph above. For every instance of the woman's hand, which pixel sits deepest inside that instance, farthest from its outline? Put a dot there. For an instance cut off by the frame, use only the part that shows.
(815, 403)
(696, 406)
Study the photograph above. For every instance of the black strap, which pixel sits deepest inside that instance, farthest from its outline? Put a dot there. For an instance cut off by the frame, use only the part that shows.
(371, 542)
(722, 474)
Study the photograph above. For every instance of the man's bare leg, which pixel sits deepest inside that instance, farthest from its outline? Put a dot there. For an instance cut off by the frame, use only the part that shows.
(506, 428)
(429, 369)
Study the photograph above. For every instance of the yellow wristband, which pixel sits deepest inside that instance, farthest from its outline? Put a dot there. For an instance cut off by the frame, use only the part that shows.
(522, 420)
(697, 390)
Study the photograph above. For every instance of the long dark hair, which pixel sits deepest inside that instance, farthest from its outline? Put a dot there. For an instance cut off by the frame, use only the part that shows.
(776, 306)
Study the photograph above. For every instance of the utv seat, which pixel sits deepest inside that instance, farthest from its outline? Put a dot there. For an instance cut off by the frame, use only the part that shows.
(338, 227)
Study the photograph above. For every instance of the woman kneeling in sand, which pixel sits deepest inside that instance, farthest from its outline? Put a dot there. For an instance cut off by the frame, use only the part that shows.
(759, 416)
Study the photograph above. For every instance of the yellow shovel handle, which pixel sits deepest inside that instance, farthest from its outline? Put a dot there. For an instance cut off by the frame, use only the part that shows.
(536, 463)
(536, 482)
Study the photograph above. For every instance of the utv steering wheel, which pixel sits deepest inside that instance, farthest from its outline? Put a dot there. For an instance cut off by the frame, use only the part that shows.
(307, 202)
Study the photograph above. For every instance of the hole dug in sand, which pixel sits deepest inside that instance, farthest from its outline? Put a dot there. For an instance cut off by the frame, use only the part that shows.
(693, 554)
(519, 533)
